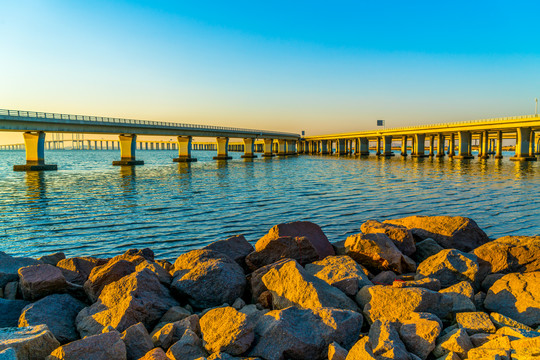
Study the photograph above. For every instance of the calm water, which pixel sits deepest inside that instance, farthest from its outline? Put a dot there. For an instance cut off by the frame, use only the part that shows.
(89, 207)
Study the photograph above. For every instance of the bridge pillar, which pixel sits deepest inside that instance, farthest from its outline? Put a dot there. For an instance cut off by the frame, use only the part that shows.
(451, 145)
(378, 146)
(222, 149)
(364, 147)
(34, 143)
(282, 147)
(249, 148)
(340, 147)
(128, 143)
(419, 143)
(432, 145)
(184, 149)
(523, 145)
(440, 145)
(291, 147)
(464, 145)
(484, 144)
(404, 145)
(324, 147)
(387, 146)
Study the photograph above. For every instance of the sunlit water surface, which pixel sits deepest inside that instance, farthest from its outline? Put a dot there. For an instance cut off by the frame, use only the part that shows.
(89, 207)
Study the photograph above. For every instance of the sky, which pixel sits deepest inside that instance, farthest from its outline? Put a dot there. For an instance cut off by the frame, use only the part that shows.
(319, 66)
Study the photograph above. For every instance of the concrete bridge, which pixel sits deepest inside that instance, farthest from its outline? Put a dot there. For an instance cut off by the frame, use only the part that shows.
(35, 124)
(488, 132)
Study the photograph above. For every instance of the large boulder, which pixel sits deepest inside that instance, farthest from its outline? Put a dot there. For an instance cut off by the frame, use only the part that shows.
(155, 354)
(341, 272)
(378, 253)
(138, 297)
(170, 333)
(462, 296)
(297, 248)
(226, 330)
(450, 267)
(516, 296)
(77, 269)
(456, 341)
(361, 350)
(380, 302)
(137, 340)
(106, 346)
(11, 265)
(475, 322)
(30, 343)
(58, 312)
(103, 275)
(189, 347)
(235, 247)
(449, 231)
(509, 254)
(304, 334)
(290, 285)
(306, 229)
(37, 281)
(425, 249)
(385, 341)
(400, 235)
(207, 278)
(52, 259)
(10, 311)
(419, 333)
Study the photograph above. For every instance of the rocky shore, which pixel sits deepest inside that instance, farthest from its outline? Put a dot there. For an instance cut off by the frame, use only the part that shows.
(408, 289)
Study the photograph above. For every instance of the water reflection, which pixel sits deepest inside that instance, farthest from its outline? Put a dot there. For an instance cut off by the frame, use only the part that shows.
(128, 184)
(35, 186)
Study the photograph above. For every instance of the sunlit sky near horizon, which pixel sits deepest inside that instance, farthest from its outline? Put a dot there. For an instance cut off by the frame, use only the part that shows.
(318, 66)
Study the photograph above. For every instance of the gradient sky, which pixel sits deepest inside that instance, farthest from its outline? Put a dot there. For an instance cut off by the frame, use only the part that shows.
(323, 67)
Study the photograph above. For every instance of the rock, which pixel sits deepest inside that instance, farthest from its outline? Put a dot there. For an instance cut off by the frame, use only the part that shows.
(304, 334)
(400, 235)
(284, 247)
(385, 341)
(145, 253)
(384, 278)
(339, 247)
(76, 270)
(30, 343)
(448, 231)
(419, 333)
(450, 267)
(170, 333)
(481, 338)
(500, 320)
(235, 247)
(497, 348)
(426, 283)
(460, 302)
(7, 278)
(238, 304)
(291, 285)
(456, 341)
(100, 276)
(449, 356)
(378, 253)
(189, 347)
(489, 280)
(10, 311)
(336, 352)
(163, 275)
(155, 354)
(226, 330)
(176, 313)
(37, 281)
(52, 259)
(107, 346)
(475, 322)
(515, 334)
(137, 340)
(8, 354)
(341, 272)
(516, 296)
(361, 350)
(11, 290)
(462, 288)
(58, 312)
(425, 249)
(382, 302)
(299, 229)
(138, 297)
(526, 348)
(207, 278)
(509, 254)
(11, 265)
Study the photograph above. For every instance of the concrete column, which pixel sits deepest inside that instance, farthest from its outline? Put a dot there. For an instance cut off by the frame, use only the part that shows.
(329, 147)
(464, 145)
(324, 147)
(222, 149)
(378, 146)
(128, 143)
(532, 151)
(413, 145)
(404, 145)
(184, 149)
(340, 147)
(440, 145)
(363, 149)
(523, 145)
(419, 145)
(282, 147)
(484, 145)
(387, 146)
(432, 145)
(451, 145)
(267, 152)
(34, 143)
(249, 148)
(292, 147)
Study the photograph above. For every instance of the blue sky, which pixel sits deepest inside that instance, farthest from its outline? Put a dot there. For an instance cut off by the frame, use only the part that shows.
(318, 66)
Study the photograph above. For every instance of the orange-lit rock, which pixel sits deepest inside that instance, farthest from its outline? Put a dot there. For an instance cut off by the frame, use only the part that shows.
(103, 275)
(189, 347)
(155, 354)
(450, 267)
(30, 343)
(385, 341)
(456, 341)
(226, 330)
(400, 235)
(419, 333)
(283, 247)
(106, 346)
(77, 269)
(235, 247)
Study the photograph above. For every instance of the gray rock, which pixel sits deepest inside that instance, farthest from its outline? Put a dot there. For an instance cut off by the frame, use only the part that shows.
(235, 247)
(7, 278)
(189, 347)
(76, 270)
(30, 343)
(37, 281)
(11, 290)
(450, 267)
(137, 340)
(8, 354)
(170, 333)
(455, 341)
(11, 265)
(106, 346)
(58, 312)
(385, 341)
(384, 278)
(284, 247)
(52, 259)
(336, 352)
(10, 311)
(400, 235)
(419, 333)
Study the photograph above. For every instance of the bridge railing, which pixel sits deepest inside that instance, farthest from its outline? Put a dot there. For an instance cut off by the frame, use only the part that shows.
(45, 115)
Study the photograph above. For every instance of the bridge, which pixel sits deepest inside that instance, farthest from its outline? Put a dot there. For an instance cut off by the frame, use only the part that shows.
(489, 134)
(36, 124)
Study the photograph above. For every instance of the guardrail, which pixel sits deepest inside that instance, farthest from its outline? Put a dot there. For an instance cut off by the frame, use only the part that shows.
(45, 115)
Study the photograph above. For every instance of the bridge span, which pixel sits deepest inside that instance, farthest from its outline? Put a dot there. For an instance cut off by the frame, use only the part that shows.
(488, 132)
(35, 124)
